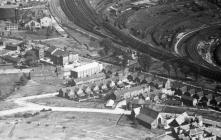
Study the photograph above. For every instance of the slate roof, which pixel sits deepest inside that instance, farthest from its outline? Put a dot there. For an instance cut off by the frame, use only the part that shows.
(195, 131)
(174, 123)
(189, 98)
(11, 59)
(51, 49)
(147, 115)
(59, 53)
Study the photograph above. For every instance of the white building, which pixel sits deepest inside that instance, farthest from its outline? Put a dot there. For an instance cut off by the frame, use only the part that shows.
(11, 27)
(46, 22)
(86, 70)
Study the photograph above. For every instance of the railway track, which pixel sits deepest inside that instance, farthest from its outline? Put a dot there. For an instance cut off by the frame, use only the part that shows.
(82, 15)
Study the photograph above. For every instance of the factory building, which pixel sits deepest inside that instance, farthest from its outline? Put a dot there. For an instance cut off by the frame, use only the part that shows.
(86, 70)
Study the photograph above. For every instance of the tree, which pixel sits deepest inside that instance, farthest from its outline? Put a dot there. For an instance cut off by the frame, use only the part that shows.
(213, 102)
(130, 77)
(144, 81)
(30, 58)
(137, 80)
(23, 80)
(196, 96)
(125, 60)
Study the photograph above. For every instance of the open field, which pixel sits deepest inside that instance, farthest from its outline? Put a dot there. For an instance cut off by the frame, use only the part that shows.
(7, 84)
(35, 88)
(41, 34)
(69, 126)
(68, 43)
(7, 105)
(62, 102)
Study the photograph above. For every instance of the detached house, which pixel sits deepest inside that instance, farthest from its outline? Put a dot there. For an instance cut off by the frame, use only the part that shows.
(149, 118)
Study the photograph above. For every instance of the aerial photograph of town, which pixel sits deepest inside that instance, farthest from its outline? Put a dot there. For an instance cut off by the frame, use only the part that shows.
(110, 69)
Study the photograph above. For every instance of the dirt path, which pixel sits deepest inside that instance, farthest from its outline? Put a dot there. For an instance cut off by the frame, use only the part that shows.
(28, 106)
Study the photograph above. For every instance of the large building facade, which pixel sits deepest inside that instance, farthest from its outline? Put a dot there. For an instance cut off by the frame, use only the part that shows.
(86, 70)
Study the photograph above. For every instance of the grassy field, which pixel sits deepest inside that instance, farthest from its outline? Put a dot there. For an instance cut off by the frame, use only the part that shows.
(41, 34)
(69, 126)
(36, 88)
(7, 84)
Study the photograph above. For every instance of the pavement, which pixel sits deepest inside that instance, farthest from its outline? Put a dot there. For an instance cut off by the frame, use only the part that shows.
(26, 105)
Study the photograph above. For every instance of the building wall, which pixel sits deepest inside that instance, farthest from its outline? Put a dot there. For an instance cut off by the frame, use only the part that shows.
(70, 59)
(41, 53)
(13, 48)
(87, 71)
(11, 27)
(74, 74)
(46, 22)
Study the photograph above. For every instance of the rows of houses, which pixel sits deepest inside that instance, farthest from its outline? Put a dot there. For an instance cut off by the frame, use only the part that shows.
(119, 85)
(93, 88)
(193, 97)
(160, 91)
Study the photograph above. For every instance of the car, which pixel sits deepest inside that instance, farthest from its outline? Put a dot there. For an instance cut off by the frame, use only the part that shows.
(45, 110)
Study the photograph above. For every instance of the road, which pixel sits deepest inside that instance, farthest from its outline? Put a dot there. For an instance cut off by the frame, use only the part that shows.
(26, 105)
(11, 71)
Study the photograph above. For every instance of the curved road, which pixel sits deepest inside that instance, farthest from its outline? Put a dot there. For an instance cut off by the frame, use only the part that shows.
(29, 106)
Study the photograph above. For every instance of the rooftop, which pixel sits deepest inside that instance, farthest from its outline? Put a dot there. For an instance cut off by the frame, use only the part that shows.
(86, 66)
(147, 115)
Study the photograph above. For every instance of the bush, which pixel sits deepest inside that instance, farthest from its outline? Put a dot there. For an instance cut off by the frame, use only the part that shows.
(30, 58)
(23, 80)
